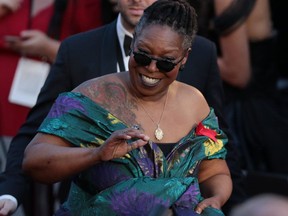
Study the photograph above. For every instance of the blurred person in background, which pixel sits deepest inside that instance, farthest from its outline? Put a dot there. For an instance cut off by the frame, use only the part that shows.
(30, 35)
(262, 205)
(278, 12)
(256, 111)
(34, 31)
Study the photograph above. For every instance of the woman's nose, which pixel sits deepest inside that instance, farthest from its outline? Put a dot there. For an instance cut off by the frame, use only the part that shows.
(152, 67)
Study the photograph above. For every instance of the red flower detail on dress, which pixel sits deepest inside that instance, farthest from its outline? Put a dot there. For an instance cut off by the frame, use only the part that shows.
(201, 130)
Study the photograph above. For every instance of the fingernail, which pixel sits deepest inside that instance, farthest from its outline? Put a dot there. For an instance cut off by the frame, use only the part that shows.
(136, 127)
(147, 138)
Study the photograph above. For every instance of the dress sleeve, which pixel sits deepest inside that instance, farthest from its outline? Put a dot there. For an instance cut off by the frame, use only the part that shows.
(214, 138)
(79, 120)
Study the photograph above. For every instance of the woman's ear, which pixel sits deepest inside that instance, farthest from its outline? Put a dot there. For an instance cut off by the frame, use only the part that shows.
(185, 58)
(187, 52)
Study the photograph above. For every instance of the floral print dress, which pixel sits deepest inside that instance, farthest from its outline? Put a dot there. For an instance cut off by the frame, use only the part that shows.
(142, 182)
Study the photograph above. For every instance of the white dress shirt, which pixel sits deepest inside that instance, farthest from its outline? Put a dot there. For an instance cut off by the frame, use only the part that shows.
(121, 32)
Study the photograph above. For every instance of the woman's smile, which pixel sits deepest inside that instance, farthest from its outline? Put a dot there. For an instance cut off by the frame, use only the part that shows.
(149, 81)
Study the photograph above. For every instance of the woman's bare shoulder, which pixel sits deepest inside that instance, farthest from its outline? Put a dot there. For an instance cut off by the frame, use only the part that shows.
(191, 92)
(194, 99)
(101, 88)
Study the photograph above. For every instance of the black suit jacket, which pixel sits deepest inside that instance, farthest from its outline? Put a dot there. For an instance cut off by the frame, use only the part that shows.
(92, 54)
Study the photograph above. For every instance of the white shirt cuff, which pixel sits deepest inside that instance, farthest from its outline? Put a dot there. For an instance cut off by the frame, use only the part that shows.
(13, 199)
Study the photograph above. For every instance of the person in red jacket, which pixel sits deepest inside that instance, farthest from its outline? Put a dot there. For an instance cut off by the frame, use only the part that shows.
(36, 34)
(30, 35)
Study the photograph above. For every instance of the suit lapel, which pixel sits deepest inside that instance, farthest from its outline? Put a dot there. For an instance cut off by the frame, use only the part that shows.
(109, 44)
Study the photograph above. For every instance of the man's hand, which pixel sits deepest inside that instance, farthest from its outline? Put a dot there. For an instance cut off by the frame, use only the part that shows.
(7, 206)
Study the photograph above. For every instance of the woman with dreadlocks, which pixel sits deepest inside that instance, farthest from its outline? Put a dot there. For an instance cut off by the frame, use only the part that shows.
(138, 142)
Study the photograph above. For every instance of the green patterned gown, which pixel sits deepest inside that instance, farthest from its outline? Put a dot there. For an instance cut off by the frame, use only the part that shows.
(142, 181)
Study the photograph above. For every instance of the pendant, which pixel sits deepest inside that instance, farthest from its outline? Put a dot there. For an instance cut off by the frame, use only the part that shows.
(158, 133)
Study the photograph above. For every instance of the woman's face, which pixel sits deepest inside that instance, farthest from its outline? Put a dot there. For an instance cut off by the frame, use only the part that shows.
(161, 43)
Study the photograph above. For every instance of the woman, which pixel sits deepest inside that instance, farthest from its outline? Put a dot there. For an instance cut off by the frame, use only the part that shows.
(34, 35)
(257, 101)
(142, 141)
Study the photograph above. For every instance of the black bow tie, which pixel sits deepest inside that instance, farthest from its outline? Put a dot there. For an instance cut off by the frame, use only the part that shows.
(127, 44)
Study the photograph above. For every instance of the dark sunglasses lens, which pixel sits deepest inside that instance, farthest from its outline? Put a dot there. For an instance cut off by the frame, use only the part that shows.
(162, 65)
(142, 59)
(165, 66)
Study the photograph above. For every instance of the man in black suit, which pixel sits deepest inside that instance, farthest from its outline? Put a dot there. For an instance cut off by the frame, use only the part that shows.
(96, 53)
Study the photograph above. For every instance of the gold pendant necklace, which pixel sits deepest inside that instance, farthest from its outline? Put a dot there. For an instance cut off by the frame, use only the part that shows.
(159, 134)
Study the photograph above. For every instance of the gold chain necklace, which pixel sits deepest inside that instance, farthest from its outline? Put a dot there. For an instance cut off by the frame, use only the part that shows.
(159, 134)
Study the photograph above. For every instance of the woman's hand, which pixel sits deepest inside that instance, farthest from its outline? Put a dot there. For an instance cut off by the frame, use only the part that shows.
(215, 184)
(35, 43)
(211, 201)
(121, 142)
(12, 5)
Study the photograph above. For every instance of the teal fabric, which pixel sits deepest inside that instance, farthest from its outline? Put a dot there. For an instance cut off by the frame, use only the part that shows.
(142, 180)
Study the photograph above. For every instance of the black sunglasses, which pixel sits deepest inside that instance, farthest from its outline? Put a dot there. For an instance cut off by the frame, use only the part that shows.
(163, 65)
